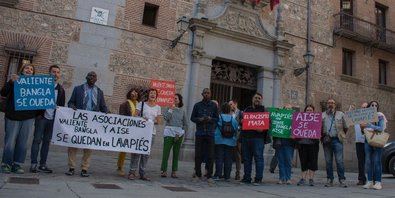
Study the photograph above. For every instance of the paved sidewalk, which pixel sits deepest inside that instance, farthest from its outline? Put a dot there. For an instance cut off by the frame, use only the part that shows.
(103, 172)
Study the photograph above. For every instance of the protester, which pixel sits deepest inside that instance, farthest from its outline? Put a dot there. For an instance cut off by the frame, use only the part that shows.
(225, 142)
(128, 108)
(174, 132)
(334, 125)
(18, 126)
(253, 144)
(44, 126)
(205, 116)
(91, 98)
(150, 111)
(373, 154)
(237, 114)
(360, 149)
(308, 155)
(284, 150)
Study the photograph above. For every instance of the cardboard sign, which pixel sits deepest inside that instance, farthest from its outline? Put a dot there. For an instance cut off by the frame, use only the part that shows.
(166, 92)
(280, 122)
(100, 131)
(255, 121)
(358, 116)
(34, 92)
(306, 125)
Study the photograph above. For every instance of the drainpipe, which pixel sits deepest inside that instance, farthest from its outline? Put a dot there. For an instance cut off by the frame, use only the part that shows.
(308, 51)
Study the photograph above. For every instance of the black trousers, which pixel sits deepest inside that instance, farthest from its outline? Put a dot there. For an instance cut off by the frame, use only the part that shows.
(360, 147)
(204, 147)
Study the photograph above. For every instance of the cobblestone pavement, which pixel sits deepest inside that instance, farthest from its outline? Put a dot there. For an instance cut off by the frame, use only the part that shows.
(103, 165)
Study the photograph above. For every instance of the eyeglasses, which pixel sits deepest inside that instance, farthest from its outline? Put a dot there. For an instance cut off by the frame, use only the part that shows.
(373, 105)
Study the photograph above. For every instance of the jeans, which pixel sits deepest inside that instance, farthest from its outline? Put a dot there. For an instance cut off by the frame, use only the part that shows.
(204, 146)
(334, 148)
(223, 160)
(15, 140)
(360, 147)
(284, 156)
(42, 135)
(253, 148)
(373, 162)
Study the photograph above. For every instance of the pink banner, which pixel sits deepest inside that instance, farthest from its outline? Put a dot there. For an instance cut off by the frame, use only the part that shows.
(306, 125)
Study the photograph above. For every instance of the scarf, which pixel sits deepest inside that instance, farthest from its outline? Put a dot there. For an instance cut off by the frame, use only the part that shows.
(385, 120)
(132, 104)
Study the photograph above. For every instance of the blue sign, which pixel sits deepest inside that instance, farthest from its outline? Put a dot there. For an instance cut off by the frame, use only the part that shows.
(34, 92)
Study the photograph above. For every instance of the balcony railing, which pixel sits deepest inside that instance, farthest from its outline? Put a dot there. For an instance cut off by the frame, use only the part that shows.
(364, 31)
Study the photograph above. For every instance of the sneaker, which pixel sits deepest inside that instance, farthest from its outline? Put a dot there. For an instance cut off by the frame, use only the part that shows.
(45, 169)
(210, 181)
(280, 182)
(301, 182)
(33, 168)
(329, 183)
(342, 183)
(311, 182)
(361, 183)
(245, 181)
(227, 180)
(70, 172)
(289, 182)
(17, 169)
(377, 186)
(84, 173)
(5, 168)
(368, 185)
(120, 172)
(257, 182)
(237, 177)
(216, 178)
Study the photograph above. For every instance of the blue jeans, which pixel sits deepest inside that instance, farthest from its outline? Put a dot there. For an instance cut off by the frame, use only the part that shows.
(42, 135)
(284, 156)
(373, 162)
(334, 148)
(223, 160)
(15, 140)
(253, 148)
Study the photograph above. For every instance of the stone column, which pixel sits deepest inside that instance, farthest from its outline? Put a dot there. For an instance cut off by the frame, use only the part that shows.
(265, 84)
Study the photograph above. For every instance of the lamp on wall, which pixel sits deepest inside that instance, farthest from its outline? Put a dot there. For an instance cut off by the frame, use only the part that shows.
(308, 59)
(182, 27)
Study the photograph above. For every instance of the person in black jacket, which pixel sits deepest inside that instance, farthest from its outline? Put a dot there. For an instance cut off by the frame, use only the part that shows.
(205, 116)
(253, 144)
(44, 126)
(18, 126)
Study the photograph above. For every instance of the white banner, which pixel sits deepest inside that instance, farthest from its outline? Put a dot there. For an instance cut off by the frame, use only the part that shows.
(100, 131)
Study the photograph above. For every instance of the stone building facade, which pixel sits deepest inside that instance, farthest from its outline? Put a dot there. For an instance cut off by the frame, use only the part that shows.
(233, 46)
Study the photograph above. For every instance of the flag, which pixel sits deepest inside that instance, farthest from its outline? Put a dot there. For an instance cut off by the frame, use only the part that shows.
(273, 3)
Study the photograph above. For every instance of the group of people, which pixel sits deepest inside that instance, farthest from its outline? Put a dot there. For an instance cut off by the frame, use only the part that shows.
(247, 146)
(219, 138)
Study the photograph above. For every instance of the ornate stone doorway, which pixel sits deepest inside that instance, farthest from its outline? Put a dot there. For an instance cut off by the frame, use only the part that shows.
(232, 81)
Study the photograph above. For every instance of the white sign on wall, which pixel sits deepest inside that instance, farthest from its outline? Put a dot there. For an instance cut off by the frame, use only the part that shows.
(99, 16)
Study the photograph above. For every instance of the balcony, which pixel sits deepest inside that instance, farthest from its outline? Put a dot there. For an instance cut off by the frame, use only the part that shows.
(363, 31)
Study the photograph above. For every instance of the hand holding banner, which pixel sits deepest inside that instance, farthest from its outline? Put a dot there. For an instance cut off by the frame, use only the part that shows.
(306, 125)
(359, 116)
(255, 121)
(166, 92)
(34, 92)
(100, 131)
(280, 122)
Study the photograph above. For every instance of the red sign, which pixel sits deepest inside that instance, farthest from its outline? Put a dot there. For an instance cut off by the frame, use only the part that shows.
(166, 92)
(255, 121)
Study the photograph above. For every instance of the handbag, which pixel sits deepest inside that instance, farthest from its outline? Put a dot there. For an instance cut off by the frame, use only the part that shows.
(375, 138)
(326, 139)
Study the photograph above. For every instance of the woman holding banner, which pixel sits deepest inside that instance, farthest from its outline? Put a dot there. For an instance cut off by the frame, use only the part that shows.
(150, 111)
(18, 126)
(308, 155)
(127, 108)
(176, 124)
(373, 154)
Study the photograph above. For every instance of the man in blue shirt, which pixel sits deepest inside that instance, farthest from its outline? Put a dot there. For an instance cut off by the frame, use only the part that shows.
(205, 116)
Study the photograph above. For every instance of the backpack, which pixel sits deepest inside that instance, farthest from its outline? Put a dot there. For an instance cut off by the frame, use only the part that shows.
(227, 129)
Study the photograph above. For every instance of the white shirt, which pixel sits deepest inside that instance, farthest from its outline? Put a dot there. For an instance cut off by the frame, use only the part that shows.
(50, 113)
(359, 137)
(150, 113)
